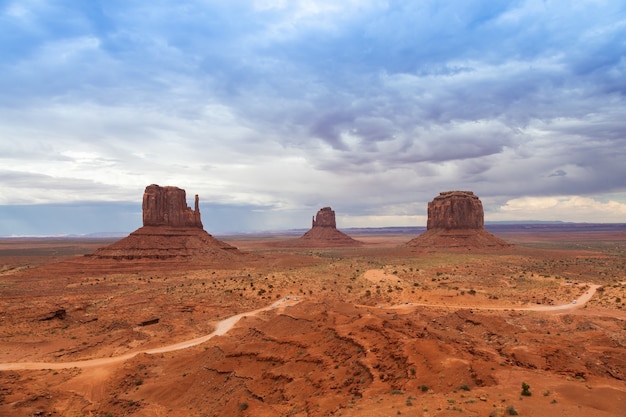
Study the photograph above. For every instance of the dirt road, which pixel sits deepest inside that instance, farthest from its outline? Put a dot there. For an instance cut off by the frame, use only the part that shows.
(578, 303)
(221, 328)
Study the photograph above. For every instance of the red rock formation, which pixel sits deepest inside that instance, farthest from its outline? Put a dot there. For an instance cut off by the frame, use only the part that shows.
(455, 210)
(171, 231)
(456, 221)
(168, 243)
(323, 233)
(325, 218)
(167, 206)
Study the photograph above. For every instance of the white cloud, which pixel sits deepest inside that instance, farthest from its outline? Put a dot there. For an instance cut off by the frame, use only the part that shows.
(371, 106)
(566, 208)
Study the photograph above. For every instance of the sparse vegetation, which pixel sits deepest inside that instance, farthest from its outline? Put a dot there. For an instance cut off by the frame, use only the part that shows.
(511, 411)
(333, 339)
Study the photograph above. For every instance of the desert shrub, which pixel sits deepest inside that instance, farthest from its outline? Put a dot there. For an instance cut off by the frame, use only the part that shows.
(526, 390)
(510, 410)
(243, 406)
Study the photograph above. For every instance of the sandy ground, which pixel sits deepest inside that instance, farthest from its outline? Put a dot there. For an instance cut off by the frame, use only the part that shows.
(221, 328)
(376, 330)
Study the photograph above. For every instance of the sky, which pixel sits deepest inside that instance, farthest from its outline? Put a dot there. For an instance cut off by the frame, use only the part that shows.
(272, 109)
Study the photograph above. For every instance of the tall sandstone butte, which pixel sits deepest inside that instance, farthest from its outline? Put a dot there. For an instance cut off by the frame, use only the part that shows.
(325, 218)
(324, 232)
(456, 220)
(171, 231)
(167, 206)
(455, 210)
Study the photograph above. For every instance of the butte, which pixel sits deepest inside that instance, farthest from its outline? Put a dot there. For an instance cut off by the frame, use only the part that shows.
(456, 221)
(323, 233)
(171, 231)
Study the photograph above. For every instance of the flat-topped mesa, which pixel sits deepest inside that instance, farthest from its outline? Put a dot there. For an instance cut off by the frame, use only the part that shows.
(456, 220)
(455, 210)
(167, 206)
(325, 218)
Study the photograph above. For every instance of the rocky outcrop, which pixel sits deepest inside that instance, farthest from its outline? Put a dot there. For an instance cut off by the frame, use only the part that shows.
(323, 233)
(325, 218)
(171, 231)
(167, 206)
(455, 210)
(456, 221)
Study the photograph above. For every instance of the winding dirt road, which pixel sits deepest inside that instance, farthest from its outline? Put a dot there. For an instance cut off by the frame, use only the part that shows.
(578, 303)
(221, 328)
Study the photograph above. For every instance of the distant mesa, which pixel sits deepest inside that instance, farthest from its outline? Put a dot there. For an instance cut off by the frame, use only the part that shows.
(323, 233)
(455, 210)
(456, 221)
(324, 230)
(171, 230)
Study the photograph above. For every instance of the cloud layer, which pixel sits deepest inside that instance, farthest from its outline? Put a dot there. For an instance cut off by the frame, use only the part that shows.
(281, 107)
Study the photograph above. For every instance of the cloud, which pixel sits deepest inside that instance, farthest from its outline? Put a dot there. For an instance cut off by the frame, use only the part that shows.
(566, 208)
(558, 173)
(290, 105)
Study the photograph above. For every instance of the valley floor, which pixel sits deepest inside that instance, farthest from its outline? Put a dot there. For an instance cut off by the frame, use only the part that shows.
(376, 330)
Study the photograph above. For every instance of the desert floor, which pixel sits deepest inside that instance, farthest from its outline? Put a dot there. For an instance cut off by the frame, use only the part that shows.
(376, 330)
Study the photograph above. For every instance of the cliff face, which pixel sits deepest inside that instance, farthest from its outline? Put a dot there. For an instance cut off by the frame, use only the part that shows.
(167, 206)
(171, 231)
(325, 218)
(455, 210)
(456, 221)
